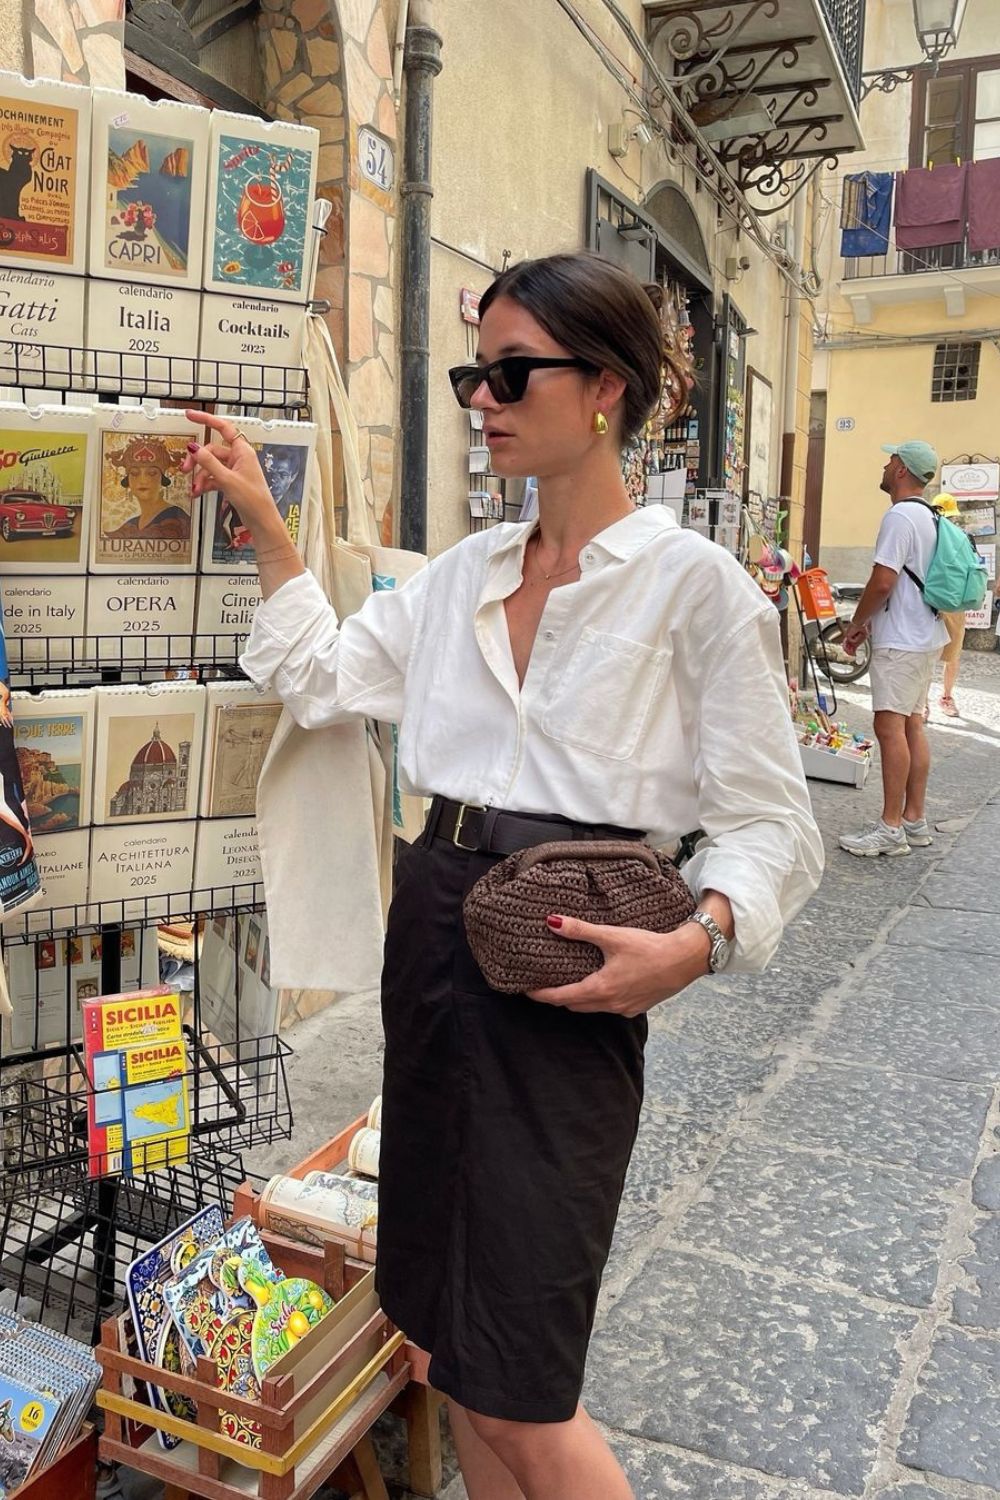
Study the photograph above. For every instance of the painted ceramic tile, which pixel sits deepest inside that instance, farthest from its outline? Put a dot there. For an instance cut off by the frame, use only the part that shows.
(44, 152)
(144, 1281)
(209, 1292)
(263, 179)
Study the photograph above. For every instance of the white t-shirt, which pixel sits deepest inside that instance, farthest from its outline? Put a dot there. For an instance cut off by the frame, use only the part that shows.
(906, 539)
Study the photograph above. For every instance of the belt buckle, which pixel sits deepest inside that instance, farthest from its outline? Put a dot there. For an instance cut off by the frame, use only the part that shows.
(456, 837)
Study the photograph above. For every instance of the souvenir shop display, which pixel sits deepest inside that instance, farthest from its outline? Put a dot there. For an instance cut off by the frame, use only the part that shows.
(126, 601)
(662, 467)
(829, 750)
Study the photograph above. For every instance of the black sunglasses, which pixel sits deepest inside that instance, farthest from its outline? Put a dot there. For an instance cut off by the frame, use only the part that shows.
(507, 378)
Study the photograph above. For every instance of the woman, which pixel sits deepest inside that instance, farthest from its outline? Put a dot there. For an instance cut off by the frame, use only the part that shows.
(951, 655)
(595, 671)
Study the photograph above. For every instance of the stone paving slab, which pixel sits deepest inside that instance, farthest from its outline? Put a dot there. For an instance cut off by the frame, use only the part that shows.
(876, 1230)
(962, 892)
(934, 1038)
(977, 1303)
(782, 1378)
(658, 1473)
(926, 974)
(841, 1107)
(701, 1081)
(986, 1184)
(952, 1425)
(955, 931)
(736, 1019)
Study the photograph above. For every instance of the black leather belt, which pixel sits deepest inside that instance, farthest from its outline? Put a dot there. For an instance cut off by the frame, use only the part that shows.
(491, 830)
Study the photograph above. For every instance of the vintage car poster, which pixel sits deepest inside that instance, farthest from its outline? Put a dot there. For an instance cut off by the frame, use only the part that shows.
(44, 155)
(44, 484)
(144, 515)
(262, 183)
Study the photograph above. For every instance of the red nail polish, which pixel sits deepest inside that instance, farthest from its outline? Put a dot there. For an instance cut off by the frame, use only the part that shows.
(555, 922)
(193, 447)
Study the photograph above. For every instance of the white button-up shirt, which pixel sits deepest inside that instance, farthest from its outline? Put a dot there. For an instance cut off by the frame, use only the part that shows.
(655, 699)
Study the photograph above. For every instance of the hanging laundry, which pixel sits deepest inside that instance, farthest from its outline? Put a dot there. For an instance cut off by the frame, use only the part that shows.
(866, 213)
(930, 206)
(984, 205)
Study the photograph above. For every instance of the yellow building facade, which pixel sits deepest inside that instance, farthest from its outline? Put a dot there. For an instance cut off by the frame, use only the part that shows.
(908, 344)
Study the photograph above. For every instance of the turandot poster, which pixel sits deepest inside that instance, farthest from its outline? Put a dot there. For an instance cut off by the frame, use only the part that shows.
(145, 516)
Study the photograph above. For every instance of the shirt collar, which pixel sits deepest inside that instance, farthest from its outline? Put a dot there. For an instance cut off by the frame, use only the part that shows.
(621, 540)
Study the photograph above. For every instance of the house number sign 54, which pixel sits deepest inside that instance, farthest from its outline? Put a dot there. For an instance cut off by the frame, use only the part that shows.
(376, 162)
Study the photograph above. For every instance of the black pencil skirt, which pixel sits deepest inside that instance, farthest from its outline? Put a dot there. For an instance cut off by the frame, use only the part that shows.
(507, 1128)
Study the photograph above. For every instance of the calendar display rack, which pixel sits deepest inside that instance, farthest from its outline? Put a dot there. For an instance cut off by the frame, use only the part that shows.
(66, 1236)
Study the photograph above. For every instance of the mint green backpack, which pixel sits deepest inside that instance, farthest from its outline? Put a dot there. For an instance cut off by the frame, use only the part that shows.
(956, 578)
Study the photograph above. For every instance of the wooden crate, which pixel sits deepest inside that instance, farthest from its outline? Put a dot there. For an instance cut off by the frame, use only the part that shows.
(315, 1408)
(418, 1404)
(71, 1476)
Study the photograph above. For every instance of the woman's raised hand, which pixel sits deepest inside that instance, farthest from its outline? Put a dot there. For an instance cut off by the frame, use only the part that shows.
(233, 467)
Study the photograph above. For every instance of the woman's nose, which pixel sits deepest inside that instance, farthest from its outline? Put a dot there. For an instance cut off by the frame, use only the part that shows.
(483, 398)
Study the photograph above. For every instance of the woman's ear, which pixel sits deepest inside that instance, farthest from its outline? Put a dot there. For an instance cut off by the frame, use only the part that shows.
(610, 390)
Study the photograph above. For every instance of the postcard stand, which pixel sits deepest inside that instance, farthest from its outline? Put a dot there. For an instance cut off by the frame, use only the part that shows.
(65, 1239)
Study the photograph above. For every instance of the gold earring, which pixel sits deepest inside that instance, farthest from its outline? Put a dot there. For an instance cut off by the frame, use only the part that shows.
(600, 424)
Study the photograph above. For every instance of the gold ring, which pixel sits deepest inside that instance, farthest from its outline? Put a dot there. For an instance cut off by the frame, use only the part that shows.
(238, 434)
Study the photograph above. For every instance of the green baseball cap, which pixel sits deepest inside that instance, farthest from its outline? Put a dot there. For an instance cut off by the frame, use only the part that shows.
(919, 457)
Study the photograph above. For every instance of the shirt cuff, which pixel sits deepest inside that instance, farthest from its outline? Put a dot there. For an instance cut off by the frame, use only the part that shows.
(756, 913)
(279, 623)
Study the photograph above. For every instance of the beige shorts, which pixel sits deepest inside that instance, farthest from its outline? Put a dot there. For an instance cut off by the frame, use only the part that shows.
(954, 619)
(901, 679)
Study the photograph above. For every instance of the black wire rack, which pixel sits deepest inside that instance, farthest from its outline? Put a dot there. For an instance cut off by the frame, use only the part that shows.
(67, 922)
(90, 660)
(108, 373)
(64, 1249)
(237, 1095)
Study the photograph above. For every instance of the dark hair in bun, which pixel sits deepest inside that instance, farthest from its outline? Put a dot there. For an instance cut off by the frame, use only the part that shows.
(599, 313)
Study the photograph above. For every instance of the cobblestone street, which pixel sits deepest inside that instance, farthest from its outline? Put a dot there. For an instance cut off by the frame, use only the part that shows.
(804, 1292)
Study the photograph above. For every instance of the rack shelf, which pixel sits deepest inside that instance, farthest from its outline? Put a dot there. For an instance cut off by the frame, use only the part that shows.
(237, 1092)
(134, 911)
(108, 373)
(89, 660)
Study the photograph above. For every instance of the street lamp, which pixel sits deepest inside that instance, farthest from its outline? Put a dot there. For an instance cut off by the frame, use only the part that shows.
(938, 23)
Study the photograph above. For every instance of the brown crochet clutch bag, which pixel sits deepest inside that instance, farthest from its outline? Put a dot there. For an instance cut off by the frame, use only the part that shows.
(614, 882)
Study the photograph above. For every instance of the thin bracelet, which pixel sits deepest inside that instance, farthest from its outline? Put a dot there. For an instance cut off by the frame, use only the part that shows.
(275, 552)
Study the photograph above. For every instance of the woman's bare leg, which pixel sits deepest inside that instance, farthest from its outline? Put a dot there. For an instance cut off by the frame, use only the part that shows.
(486, 1477)
(551, 1460)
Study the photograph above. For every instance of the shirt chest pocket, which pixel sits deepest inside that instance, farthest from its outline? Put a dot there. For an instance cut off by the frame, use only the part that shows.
(600, 700)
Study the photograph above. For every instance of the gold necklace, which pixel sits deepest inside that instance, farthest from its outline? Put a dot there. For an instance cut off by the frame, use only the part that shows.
(560, 573)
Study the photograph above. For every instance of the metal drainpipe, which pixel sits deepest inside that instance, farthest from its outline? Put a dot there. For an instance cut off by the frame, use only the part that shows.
(421, 64)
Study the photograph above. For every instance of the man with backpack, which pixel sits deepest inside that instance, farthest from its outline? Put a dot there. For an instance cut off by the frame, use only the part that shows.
(921, 567)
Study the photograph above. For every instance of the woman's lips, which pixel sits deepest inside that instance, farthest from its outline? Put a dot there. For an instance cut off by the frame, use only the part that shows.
(493, 435)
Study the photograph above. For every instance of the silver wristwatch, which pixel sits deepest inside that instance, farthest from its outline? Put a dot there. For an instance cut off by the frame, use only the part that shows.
(721, 950)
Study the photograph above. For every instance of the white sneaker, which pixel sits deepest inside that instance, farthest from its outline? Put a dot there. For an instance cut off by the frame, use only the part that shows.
(875, 839)
(918, 834)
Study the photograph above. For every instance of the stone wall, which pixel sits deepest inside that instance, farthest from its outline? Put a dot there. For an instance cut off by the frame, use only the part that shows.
(79, 41)
(328, 63)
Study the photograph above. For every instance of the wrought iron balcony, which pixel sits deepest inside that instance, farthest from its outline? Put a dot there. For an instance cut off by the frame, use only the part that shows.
(957, 257)
(773, 84)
